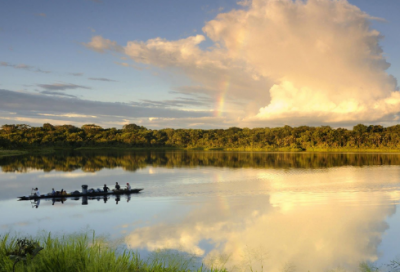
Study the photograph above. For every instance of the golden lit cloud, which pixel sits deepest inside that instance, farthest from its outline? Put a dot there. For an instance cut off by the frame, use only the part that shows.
(315, 61)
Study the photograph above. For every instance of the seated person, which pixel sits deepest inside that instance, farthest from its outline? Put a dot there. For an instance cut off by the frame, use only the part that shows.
(128, 187)
(105, 188)
(117, 187)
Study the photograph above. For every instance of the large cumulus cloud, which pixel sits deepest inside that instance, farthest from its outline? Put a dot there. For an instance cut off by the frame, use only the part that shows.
(316, 61)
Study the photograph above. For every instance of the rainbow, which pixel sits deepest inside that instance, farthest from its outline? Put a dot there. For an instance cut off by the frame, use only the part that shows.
(223, 203)
(224, 85)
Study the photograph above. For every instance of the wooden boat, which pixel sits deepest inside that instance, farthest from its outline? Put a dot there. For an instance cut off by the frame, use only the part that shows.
(120, 192)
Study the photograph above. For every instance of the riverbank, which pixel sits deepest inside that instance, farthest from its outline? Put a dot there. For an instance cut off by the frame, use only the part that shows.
(6, 153)
(83, 252)
(11, 152)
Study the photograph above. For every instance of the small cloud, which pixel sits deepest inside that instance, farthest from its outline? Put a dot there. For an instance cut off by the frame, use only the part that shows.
(102, 79)
(244, 3)
(23, 67)
(42, 71)
(122, 63)
(76, 74)
(99, 44)
(136, 67)
(172, 103)
(41, 14)
(58, 94)
(61, 86)
(92, 29)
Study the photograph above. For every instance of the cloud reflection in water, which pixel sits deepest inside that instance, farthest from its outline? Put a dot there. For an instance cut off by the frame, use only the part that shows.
(318, 231)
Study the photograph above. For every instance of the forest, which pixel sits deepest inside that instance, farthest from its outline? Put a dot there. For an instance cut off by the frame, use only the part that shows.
(302, 138)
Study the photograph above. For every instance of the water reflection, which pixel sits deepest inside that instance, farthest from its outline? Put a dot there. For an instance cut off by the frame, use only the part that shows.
(250, 233)
(132, 161)
(85, 200)
(311, 212)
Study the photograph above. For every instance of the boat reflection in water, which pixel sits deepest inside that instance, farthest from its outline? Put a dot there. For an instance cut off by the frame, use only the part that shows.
(84, 199)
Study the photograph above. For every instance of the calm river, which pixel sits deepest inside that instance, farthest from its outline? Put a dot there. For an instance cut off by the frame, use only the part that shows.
(277, 210)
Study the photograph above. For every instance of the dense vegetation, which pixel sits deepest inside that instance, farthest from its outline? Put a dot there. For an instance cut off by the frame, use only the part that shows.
(285, 138)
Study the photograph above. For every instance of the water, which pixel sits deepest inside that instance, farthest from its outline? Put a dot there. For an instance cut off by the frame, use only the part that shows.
(244, 210)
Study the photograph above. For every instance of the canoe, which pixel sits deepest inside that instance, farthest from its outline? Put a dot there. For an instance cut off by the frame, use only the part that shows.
(121, 192)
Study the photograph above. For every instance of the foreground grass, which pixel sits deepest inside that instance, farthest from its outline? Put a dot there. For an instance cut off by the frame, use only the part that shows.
(84, 253)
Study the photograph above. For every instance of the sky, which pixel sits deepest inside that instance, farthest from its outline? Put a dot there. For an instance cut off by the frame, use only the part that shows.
(200, 64)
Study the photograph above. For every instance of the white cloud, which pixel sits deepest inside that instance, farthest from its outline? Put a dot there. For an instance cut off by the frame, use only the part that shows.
(100, 44)
(101, 79)
(315, 61)
(69, 115)
(23, 67)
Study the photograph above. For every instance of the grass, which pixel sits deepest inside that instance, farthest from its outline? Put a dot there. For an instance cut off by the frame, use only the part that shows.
(116, 148)
(84, 253)
(6, 153)
(353, 149)
(37, 151)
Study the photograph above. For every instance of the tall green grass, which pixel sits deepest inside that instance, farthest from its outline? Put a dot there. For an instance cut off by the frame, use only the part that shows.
(84, 253)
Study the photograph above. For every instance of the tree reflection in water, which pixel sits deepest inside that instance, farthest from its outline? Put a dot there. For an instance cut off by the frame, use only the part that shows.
(132, 161)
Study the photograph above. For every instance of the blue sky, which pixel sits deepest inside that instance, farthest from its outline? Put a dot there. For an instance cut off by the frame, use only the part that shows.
(47, 58)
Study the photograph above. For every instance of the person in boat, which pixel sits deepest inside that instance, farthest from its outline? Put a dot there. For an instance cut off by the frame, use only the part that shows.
(128, 187)
(37, 193)
(53, 192)
(105, 188)
(60, 193)
(37, 203)
(117, 187)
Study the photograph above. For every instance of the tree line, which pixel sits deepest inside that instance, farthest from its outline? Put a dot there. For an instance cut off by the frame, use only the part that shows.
(131, 135)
